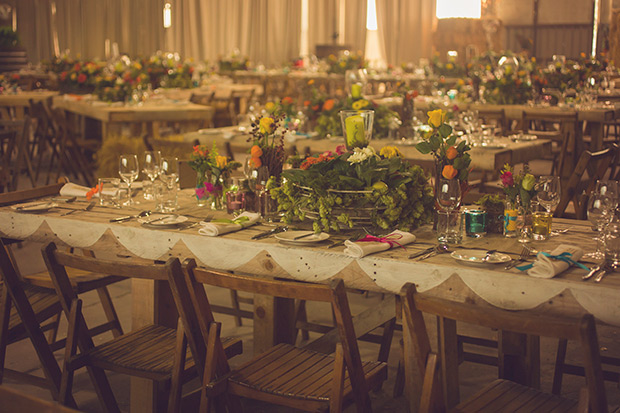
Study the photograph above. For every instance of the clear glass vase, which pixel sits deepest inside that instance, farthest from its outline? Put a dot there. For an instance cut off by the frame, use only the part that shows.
(202, 196)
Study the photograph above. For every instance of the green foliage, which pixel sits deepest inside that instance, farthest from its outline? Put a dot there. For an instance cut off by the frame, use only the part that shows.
(491, 202)
(334, 190)
(9, 39)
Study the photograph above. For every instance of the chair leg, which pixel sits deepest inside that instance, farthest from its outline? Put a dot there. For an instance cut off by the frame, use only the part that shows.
(336, 398)
(110, 311)
(5, 311)
(66, 379)
(206, 403)
(234, 298)
(399, 382)
(53, 333)
(302, 315)
(174, 400)
(558, 372)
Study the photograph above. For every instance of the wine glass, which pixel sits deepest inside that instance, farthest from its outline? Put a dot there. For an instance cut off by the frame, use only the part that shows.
(607, 188)
(448, 195)
(600, 208)
(152, 161)
(549, 192)
(128, 170)
(169, 171)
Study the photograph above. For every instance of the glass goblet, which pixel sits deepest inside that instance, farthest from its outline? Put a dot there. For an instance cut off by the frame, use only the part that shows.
(600, 208)
(549, 192)
(150, 166)
(448, 194)
(128, 170)
(169, 171)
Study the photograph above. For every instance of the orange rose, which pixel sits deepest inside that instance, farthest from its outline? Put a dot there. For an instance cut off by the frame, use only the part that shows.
(449, 172)
(306, 103)
(451, 152)
(255, 162)
(256, 151)
(329, 104)
(287, 100)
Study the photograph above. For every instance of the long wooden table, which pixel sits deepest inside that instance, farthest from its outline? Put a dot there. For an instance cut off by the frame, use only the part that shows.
(383, 272)
(151, 113)
(490, 159)
(13, 107)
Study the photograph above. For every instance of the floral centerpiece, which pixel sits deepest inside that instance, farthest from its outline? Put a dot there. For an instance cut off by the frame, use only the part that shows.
(345, 61)
(451, 157)
(328, 120)
(507, 86)
(234, 62)
(519, 187)
(267, 153)
(212, 172)
(341, 189)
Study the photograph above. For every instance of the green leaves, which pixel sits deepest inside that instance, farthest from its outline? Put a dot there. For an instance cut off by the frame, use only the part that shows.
(444, 130)
(424, 147)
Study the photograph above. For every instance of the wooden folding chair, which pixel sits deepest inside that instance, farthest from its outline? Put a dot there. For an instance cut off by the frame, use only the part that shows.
(81, 281)
(27, 312)
(285, 374)
(19, 158)
(153, 352)
(577, 189)
(561, 128)
(500, 395)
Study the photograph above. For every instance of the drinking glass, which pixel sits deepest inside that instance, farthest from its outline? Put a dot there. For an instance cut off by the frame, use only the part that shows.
(607, 188)
(448, 195)
(549, 192)
(128, 170)
(152, 161)
(600, 208)
(169, 171)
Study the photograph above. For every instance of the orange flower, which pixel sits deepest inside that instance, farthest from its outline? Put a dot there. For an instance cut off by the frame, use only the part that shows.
(306, 103)
(451, 152)
(256, 151)
(329, 104)
(93, 191)
(256, 162)
(449, 172)
(287, 100)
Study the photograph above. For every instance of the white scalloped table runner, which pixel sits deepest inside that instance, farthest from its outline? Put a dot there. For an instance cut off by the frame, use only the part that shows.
(387, 271)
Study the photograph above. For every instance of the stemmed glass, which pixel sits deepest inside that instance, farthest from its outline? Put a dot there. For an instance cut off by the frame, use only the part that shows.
(152, 160)
(600, 208)
(169, 171)
(448, 199)
(549, 192)
(608, 188)
(128, 170)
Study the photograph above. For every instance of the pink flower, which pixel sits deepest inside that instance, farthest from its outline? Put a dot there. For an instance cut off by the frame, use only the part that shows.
(209, 187)
(200, 193)
(327, 154)
(340, 149)
(507, 179)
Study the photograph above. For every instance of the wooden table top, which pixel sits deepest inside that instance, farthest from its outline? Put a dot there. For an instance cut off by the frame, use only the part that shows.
(386, 271)
(149, 112)
(23, 98)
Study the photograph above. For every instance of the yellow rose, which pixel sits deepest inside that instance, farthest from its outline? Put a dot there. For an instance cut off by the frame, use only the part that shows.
(436, 118)
(359, 104)
(449, 66)
(266, 125)
(390, 152)
(270, 106)
(221, 161)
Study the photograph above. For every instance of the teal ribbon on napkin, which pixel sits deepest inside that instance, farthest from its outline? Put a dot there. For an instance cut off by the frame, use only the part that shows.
(565, 256)
(238, 220)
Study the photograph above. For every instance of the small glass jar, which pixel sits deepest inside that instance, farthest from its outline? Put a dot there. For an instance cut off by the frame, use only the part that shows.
(475, 223)
(511, 213)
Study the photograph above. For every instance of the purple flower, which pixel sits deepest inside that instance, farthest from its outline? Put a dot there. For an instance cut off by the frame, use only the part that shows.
(209, 187)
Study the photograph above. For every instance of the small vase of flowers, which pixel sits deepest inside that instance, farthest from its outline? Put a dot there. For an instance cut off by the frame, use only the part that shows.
(519, 189)
(212, 173)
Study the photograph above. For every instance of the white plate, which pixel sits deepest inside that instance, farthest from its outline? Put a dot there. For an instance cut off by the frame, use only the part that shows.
(477, 257)
(493, 146)
(168, 221)
(289, 237)
(34, 206)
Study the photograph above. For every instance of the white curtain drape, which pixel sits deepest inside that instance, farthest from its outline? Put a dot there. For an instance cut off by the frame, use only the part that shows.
(322, 22)
(405, 29)
(355, 24)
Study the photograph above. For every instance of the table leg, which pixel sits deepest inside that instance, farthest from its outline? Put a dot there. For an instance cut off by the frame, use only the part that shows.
(519, 358)
(152, 303)
(596, 133)
(274, 322)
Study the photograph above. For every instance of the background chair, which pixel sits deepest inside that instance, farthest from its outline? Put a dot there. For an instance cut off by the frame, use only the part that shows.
(285, 375)
(14, 401)
(500, 395)
(153, 352)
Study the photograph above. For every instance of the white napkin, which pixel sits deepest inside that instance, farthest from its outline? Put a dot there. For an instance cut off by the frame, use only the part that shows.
(361, 249)
(71, 189)
(213, 229)
(545, 267)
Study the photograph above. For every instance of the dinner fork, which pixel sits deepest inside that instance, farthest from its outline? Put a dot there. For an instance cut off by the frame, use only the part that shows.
(525, 252)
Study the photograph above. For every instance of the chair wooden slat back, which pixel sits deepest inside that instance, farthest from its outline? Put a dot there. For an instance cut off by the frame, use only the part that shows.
(33, 193)
(189, 289)
(576, 190)
(581, 329)
(493, 115)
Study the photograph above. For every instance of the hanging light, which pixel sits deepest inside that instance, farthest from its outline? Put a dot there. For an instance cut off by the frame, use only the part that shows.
(167, 15)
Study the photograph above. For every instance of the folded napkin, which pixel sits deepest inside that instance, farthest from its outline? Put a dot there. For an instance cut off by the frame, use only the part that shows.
(370, 245)
(224, 226)
(71, 189)
(548, 265)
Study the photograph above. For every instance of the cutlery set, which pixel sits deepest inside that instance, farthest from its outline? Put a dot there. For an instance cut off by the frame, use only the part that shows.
(86, 208)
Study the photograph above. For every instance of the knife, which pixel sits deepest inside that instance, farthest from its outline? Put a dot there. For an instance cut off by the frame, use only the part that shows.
(592, 272)
(270, 232)
(303, 236)
(420, 253)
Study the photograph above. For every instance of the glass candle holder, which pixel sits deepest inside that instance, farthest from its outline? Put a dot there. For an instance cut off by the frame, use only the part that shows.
(357, 127)
(475, 223)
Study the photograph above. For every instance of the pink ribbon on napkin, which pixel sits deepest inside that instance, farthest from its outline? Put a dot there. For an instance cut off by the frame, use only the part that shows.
(390, 239)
